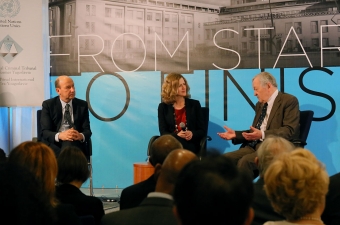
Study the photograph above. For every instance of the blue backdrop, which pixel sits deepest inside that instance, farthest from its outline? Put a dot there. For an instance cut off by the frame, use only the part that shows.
(119, 143)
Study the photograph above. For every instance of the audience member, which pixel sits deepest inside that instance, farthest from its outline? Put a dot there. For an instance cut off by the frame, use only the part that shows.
(133, 195)
(296, 184)
(73, 171)
(213, 191)
(157, 207)
(331, 214)
(20, 200)
(270, 147)
(277, 113)
(179, 115)
(40, 160)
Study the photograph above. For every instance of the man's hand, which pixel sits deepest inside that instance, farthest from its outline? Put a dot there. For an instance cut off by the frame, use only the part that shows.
(70, 135)
(255, 134)
(228, 135)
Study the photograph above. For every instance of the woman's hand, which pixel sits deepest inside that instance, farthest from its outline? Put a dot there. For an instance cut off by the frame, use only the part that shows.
(187, 135)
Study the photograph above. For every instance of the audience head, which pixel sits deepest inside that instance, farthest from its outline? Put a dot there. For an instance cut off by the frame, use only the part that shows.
(213, 191)
(2, 156)
(161, 147)
(296, 183)
(21, 202)
(170, 87)
(40, 160)
(271, 147)
(171, 167)
(264, 85)
(72, 166)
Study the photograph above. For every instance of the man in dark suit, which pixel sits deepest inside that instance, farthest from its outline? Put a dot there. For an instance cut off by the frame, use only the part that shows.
(157, 207)
(271, 147)
(65, 119)
(133, 195)
(276, 114)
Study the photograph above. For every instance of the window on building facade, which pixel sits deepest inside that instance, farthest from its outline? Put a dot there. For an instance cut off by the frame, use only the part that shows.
(166, 18)
(87, 44)
(231, 33)
(139, 15)
(87, 27)
(174, 18)
(325, 42)
(174, 31)
(87, 11)
(119, 13)
(314, 27)
(93, 27)
(298, 27)
(149, 16)
(158, 30)
(107, 12)
(324, 29)
(189, 19)
(129, 14)
(315, 42)
(93, 10)
(252, 32)
(158, 17)
(244, 32)
(108, 27)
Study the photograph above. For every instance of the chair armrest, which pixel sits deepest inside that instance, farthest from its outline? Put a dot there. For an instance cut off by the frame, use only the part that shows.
(299, 143)
(203, 150)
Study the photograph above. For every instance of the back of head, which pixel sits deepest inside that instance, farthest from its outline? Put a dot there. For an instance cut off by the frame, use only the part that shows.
(271, 147)
(213, 191)
(171, 167)
(2, 156)
(161, 147)
(21, 202)
(72, 166)
(296, 184)
(40, 160)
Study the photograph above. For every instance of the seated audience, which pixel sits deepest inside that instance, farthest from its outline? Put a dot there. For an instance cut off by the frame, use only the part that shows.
(73, 171)
(20, 200)
(331, 214)
(133, 195)
(40, 160)
(296, 183)
(157, 208)
(270, 147)
(213, 191)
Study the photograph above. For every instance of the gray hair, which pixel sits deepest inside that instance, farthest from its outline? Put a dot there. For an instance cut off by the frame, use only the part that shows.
(271, 147)
(266, 78)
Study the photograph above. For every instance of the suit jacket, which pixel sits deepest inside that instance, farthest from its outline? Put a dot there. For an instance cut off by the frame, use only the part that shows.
(152, 211)
(195, 123)
(52, 116)
(83, 204)
(283, 121)
(331, 214)
(133, 195)
(262, 207)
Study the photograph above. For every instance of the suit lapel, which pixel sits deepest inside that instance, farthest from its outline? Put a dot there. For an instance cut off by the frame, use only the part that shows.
(59, 112)
(276, 105)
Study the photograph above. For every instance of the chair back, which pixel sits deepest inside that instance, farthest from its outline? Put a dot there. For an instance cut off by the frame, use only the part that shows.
(38, 125)
(306, 118)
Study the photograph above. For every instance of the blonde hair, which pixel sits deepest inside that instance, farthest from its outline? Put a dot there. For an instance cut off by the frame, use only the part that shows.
(170, 88)
(40, 160)
(296, 183)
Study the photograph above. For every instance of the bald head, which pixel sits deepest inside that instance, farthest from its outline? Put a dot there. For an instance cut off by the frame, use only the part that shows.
(161, 147)
(171, 167)
(64, 86)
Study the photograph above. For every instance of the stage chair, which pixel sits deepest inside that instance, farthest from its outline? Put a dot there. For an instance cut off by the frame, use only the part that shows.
(203, 143)
(87, 220)
(306, 118)
(88, 153)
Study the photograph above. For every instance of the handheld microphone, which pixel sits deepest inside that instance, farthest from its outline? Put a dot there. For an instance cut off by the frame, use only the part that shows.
(183, 127)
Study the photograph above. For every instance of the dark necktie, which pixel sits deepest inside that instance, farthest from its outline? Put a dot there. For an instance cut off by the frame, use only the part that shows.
(259, 123)
(67, 115)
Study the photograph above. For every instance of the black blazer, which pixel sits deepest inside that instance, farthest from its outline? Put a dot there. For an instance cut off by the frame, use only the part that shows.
(152, 211)
(83, 204)
(195, 123)
(331, 214)
(52, 115)
(133, 195)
